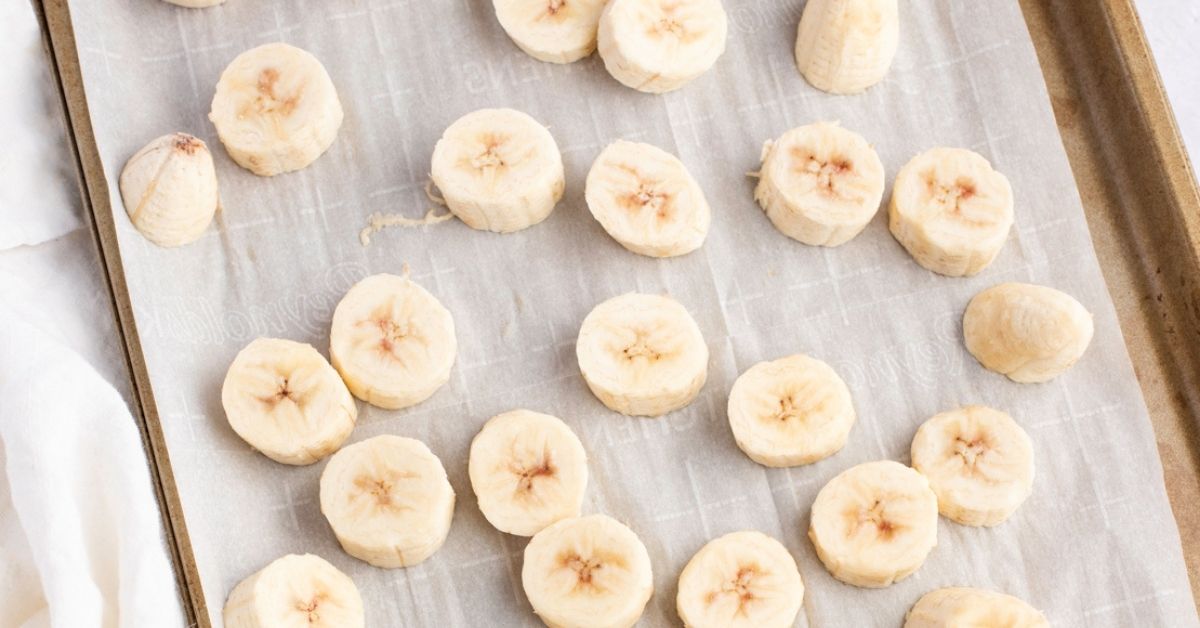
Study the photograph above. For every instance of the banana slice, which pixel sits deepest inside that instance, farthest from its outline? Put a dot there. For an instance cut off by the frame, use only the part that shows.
(499, 170)
(1029, 333)
(645, 198)
(276, 109)
(388, 500)
(587, 572)
(961, 607)
(660, 45)
(791, 411)
(557, 31)
(195, 4)
(979, 463)
(820, 184)
(951, 211)
(642, 354)
(169, 189)
(846, 46)
(528, 470)
(295, 591)
(740, 580)
(392, 342)
(873, 524)
(284, 399)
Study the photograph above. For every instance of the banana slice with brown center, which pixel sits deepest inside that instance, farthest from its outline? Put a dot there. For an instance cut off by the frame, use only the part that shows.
(587, 572)
(388, 500)
(557, 31)
(979, 463)
(284, 399)
(276, 109)
(660, 45)
(528, 470)
(295, 592)
(646, 199)
(951, 211)
(820, 184)
(642, 354)
(499, 170)
(874, 524)
(393, 342)
(741, 580)
(791, 411)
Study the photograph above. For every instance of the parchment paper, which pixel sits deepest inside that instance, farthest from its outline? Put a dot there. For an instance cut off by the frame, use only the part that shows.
(1095, 545)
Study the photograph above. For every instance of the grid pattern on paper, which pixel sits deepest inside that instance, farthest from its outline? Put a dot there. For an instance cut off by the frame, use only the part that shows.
(1094, 546)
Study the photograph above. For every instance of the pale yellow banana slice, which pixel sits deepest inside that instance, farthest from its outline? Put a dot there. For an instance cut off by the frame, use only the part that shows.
(790, 411)
(874, 524)
(642, 354)
(951, 211)
(587, 572)
(820, 184)
(740, 580)
(962, 607)
(276, 109)
(528, 470)
(646, 199)
(169, 189)
(979, 463)
(295, 591)
(846, 46)
(660, 45)
(284, 399)
(1029, 333)
(557, 31)
(388, 500)
(392, 342)
(499, 170)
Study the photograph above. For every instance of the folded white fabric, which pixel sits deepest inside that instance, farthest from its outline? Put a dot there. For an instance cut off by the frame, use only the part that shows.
(38, 199)
(81, 541)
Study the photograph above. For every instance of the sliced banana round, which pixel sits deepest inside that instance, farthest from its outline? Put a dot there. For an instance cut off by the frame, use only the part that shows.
(962, 607)
(846, 46)
(979, 463)
(169, 189)
(499, 170)
(587, 572)
(646, 199)
(660, 45)
(642, 354)
(951, 211)
(528, 470)
(388, 500)
(392, 341)
(557, 31)
(791, 411)
(295, 591)
(741, 580)
(276, 109)
(820, 184)
(286, 401)
(874, 524)
(1029, 333)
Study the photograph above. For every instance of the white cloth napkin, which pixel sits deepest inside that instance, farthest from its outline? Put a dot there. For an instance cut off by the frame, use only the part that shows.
(75, 489)
(38, 200)
(81, 541)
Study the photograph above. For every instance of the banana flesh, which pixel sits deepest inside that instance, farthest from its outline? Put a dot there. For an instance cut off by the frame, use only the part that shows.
(1029, 333)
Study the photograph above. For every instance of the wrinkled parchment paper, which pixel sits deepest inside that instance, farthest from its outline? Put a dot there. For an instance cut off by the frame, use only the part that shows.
(1095, 545)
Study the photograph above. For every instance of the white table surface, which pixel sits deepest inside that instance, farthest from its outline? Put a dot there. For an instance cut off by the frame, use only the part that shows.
(58, 283)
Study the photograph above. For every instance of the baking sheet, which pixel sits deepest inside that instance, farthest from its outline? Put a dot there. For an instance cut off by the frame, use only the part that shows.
(1094, 545)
